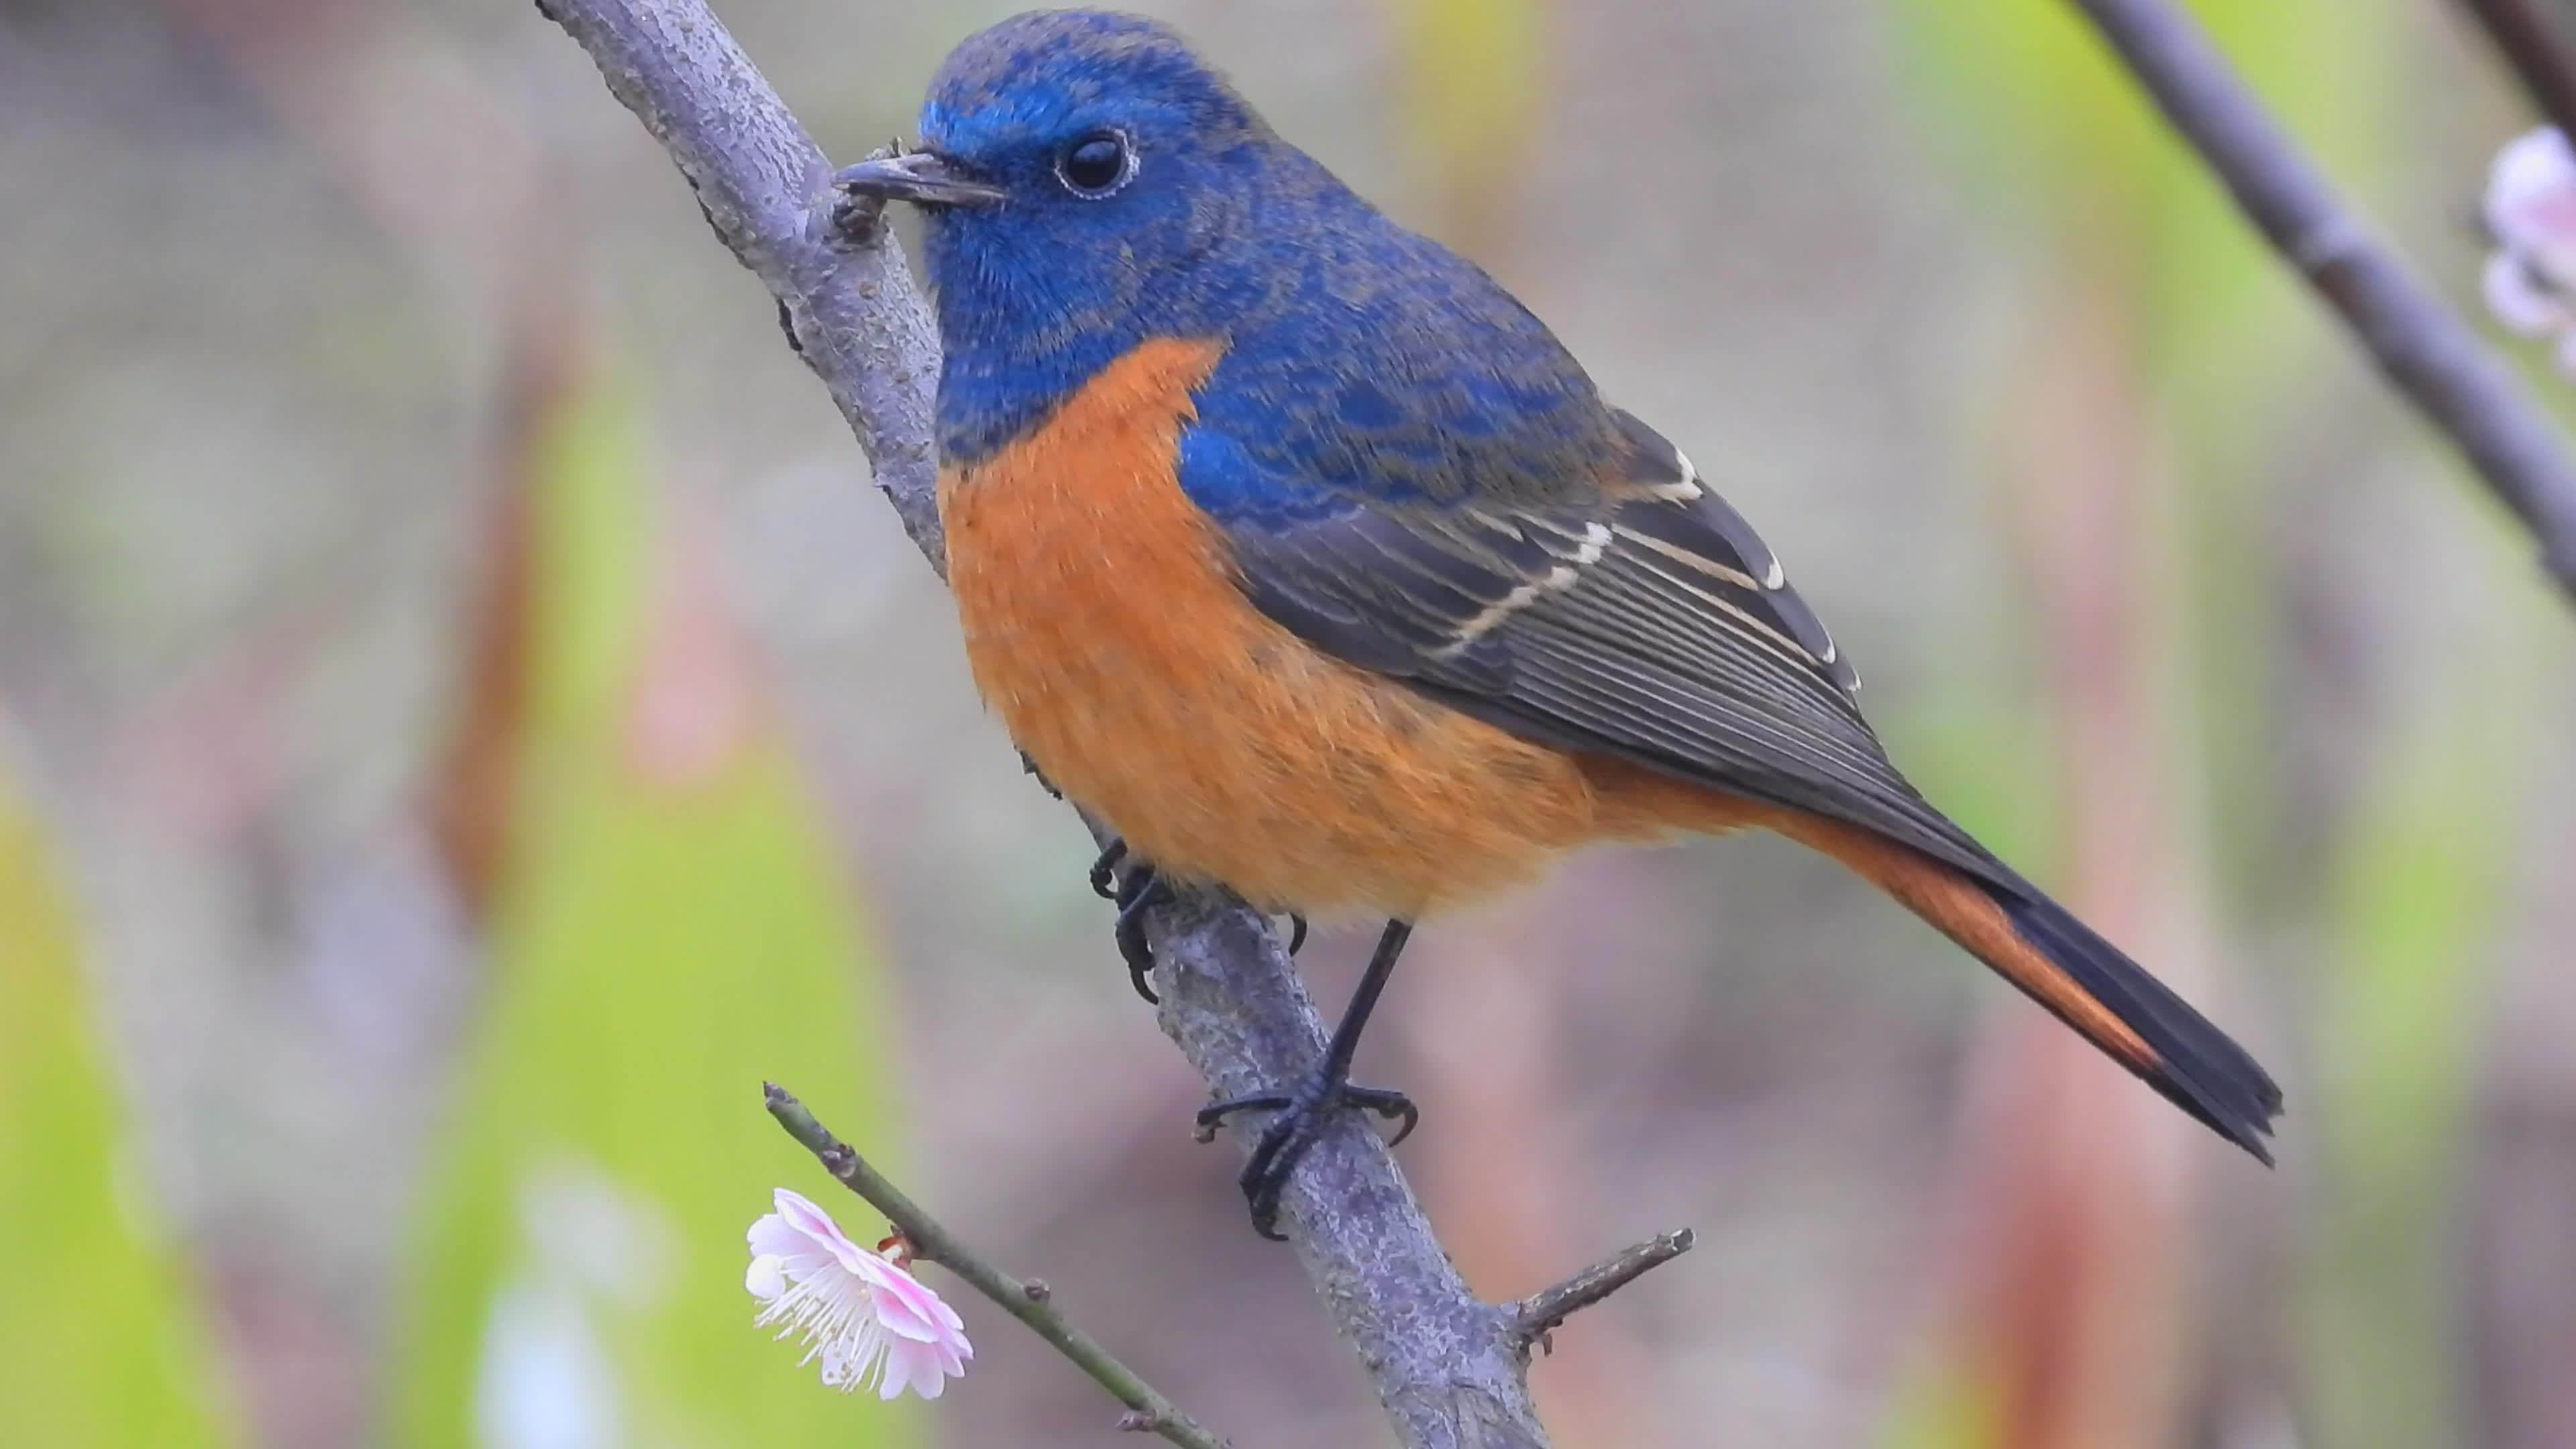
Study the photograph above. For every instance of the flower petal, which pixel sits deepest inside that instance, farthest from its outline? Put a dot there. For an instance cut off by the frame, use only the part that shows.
(770, 1236)
(797, 1255)
(2531, 205)
(799, 1212)
(896, 1374)
(817, 1224)
(915, 1366)
(911, 1308)
(2518, 300)
(2531, 190)
(766, 1278)
(907, 1308)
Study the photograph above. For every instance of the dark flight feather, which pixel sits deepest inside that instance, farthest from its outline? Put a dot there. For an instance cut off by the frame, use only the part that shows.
(1646, 621)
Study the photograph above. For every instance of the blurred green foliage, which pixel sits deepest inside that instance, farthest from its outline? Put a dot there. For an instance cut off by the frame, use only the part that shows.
(1473, 91)
(662, 944)
(99, 1339)
(2418, 890)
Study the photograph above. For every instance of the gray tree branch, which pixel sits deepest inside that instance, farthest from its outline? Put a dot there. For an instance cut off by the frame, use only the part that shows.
(2422, 345)
(1451, 1370)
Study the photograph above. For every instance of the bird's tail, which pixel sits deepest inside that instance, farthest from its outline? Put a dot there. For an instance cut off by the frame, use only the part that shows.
(2083, 980)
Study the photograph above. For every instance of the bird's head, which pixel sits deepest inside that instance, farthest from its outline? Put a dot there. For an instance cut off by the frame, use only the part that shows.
(1090, 185)
(1086, 181)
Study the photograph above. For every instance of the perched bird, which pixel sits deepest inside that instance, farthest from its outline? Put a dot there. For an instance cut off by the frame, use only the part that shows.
(1295, 548)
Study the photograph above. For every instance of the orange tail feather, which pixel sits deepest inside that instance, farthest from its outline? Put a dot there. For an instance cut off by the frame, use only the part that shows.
(2027, 938)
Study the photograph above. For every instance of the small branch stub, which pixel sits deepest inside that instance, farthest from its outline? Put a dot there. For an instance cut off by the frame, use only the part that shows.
(1541, 1313)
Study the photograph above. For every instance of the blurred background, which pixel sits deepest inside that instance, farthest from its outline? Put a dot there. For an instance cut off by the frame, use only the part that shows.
(465, 720)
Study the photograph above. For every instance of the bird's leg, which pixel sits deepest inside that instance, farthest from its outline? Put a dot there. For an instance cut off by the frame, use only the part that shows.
(1304, 1107)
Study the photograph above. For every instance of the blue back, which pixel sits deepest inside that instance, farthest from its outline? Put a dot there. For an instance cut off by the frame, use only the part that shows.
(1363, 361)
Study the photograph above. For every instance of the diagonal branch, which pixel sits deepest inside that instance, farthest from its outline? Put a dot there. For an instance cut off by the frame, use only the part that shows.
(2427, 352)
(2535, 46)
(1446, 1366)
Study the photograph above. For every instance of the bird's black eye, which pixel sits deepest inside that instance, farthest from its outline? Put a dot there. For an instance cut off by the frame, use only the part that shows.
(1096, 165)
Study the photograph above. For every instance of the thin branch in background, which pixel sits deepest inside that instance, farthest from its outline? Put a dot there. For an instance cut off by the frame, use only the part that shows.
(1543, 1312)
(1148, 1411)
(2418, 341)
(2534, 46)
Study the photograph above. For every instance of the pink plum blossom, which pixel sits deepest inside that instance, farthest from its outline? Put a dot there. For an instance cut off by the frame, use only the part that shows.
(2530, 211)
(863, 1316)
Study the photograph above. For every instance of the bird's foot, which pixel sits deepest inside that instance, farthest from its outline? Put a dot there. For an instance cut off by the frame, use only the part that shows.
(1302, 1111)
(1136, 890)
(1104, 871)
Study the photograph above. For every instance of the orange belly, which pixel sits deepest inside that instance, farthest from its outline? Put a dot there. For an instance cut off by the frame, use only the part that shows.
(1104, 629)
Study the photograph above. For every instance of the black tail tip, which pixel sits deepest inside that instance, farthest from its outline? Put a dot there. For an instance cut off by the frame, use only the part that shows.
(2197, 1067)
(2249, 1127)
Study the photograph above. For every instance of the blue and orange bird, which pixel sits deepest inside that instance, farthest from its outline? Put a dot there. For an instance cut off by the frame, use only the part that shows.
(1292, 546)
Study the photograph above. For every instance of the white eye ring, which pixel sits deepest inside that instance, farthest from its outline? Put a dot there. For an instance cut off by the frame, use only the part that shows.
(1098, 165)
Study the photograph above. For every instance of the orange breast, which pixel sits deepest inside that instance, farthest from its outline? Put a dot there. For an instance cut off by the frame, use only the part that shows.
(1104, 629)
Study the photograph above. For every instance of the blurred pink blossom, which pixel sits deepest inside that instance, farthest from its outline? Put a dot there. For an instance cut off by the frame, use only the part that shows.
(863, 1316)
(2531, 214)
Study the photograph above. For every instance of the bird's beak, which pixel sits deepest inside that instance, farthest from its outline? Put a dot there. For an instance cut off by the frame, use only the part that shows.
(918, 177)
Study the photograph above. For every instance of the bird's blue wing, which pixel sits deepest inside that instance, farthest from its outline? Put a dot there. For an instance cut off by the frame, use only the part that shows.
(1632, 612)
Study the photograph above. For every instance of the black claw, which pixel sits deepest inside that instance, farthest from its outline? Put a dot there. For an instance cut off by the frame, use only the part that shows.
(1104, 877)
(1393, 1106)
(1296, 933)
(1139, 891)
(1213, 1115)
(1136, 890)
(1025, 762)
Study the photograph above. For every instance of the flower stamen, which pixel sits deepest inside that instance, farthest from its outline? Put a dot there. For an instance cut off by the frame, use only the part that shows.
(870, 1322)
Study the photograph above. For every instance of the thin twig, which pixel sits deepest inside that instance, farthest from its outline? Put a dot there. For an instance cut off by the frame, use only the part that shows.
(1148, 1411)
(2537, 51)
(1443, 1364)
(2420, 343)
(1543, 1312)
